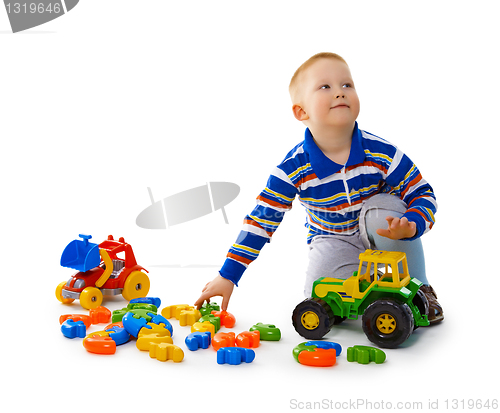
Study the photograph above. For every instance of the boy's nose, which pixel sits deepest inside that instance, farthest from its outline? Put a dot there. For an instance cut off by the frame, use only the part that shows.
(340, 96)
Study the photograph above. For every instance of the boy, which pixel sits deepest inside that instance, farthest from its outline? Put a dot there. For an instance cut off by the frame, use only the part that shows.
(359, 190)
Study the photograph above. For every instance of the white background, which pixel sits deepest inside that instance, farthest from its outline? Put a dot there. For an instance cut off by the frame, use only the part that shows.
(120, 95)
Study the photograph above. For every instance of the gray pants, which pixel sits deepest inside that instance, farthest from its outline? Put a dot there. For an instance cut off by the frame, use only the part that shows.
(338, 255)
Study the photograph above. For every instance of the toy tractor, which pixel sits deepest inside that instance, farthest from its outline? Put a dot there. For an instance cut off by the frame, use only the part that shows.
(101, 272)
(390, 301)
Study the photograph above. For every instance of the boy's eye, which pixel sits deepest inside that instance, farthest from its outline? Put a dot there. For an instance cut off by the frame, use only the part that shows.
(346, 85)
(325, 87)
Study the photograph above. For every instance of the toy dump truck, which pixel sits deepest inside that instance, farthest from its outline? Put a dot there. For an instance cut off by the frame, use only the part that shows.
(101, 271)
(382, 291)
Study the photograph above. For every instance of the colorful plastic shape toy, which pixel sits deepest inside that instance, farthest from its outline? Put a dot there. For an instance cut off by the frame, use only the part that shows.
(118, 334)
(76, 317)
(99, 342)
(389, 300)
(207, 308)
(226, 319)
(189, 317)
(223, 340)
(154, 334)
(317, 353)
(147, 308)
(202, 327)
(248, 339)
(326, 345)
(365, 354)
(99, 315)
(73, 329)
(101, 272)
(235, 355)
(194, 341)
(147, 300)
(268, 332)
(135, 320)
(215, 321)
(174, 311)
(166, 351)
(133, 323)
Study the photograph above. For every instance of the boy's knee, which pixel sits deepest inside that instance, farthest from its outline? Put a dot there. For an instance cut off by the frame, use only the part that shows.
(383, 204)
(373, 215)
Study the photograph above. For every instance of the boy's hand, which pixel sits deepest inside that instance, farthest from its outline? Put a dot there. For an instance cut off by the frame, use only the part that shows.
(219, 286)
(398, 228)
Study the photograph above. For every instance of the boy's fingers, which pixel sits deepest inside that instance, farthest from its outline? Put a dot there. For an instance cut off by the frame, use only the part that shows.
(383, 232)
(225, 302)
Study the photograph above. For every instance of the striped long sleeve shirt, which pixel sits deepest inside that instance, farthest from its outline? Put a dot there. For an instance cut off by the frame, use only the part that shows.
(332, 194)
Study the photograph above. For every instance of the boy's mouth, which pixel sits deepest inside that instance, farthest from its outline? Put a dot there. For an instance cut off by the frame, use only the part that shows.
(342, 105)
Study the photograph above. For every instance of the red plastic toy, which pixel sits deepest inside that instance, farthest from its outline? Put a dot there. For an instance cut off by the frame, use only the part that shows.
(226, 319)
(248, 339)
(223, 340)
(101, 272)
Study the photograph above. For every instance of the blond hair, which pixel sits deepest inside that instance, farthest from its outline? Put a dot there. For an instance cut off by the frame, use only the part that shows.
(293, 87)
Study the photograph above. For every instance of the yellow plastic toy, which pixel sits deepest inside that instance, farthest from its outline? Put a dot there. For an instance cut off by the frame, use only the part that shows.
(156, 334)
(189, 317)
(174, 311)
(166, 351)
(202, 327)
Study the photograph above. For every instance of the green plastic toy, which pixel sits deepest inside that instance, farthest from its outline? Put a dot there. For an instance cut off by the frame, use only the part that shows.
(365, 354)
(145, 308)
(268, 332)
(215, 321)
(207, 308)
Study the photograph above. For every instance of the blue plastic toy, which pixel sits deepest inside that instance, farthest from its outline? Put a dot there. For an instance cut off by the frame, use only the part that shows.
(81, 255)
(133, 324)
(134, 320)
(147, 300)
(326, 345)
(197, 340)
(235, 355)
(73, 329)
(119, 335)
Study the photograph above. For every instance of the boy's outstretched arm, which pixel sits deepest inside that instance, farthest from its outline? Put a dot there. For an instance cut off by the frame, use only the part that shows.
(219, 286)
(398, 228)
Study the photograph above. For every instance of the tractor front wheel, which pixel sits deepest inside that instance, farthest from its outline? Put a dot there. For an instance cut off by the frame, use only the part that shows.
(136, 286)
(312, 318)
(388, 323)
(90, 298)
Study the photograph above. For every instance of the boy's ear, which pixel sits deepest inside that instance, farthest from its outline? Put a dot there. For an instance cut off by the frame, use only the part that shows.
(299, 113)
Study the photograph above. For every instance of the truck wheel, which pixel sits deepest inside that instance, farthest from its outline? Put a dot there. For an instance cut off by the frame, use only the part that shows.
(312, 318)
(136, 286)
(90, 298)
(59, 294)
(388, 323)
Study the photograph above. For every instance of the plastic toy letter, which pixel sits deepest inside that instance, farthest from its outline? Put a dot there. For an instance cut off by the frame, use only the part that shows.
(25, 14)
(188, 205)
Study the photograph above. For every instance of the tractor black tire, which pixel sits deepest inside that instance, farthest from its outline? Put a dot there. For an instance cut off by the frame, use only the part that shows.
(313, 318)
(388, 323)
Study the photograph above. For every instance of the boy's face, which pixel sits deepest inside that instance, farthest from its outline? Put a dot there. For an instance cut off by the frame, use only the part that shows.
(327, 97)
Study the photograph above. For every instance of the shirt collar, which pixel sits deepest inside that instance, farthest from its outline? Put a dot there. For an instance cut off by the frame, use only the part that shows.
(324, 166)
